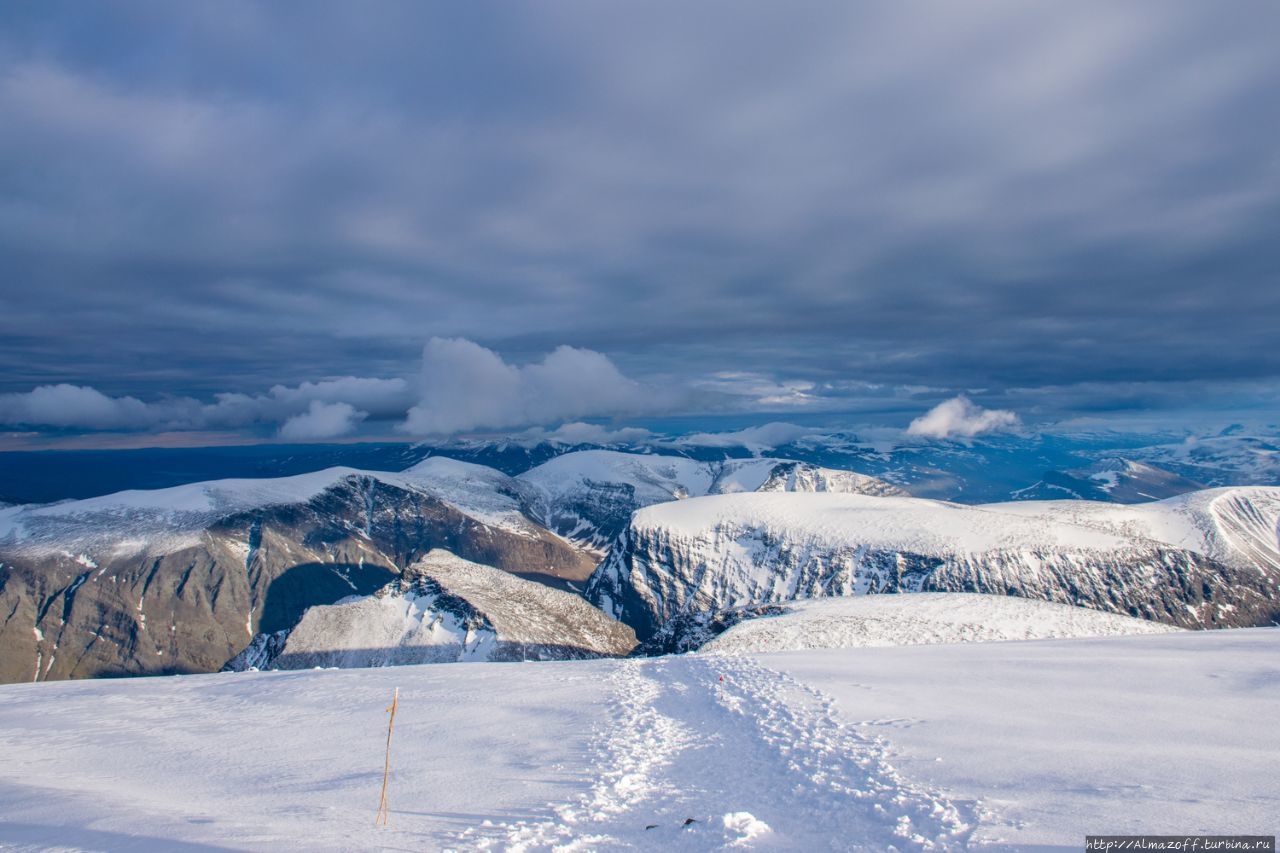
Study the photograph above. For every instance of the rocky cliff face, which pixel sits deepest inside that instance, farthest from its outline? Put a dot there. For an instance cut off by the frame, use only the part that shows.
(444, 609)
(180, 581)
(1205, 560)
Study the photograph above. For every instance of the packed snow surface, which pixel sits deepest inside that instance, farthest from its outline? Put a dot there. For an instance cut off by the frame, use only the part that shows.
(919, 619)
(998, 746)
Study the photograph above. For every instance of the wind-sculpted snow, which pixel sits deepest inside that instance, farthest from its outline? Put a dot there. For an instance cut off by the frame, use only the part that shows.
(1200, 560)
(921, 619)
(446, 609)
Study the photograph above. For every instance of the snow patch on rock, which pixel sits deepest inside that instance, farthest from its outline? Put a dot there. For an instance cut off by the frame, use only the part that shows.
(446, 609)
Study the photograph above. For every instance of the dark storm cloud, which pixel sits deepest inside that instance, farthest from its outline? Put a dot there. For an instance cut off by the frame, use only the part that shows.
(225, 197)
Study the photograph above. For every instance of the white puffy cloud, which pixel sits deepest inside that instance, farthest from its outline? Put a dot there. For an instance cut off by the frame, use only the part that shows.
(960, 417)
(465, 386)
(67, 405)
(323, 420)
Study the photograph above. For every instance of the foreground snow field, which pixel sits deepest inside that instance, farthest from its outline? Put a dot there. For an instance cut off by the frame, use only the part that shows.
(1019, 745)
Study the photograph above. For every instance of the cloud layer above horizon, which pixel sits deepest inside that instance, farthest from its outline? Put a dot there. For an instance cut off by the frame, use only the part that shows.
(463, 387)
(228, 214)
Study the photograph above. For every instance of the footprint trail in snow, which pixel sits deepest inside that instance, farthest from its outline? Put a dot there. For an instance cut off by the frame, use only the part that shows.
(756, 759)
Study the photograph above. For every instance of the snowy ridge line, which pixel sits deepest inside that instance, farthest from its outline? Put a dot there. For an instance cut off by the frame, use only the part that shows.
(1246, 529)
(175, 516)
(1198, 521)
(549, 495)
(1214, 522)
(719, 752)
(660, 478)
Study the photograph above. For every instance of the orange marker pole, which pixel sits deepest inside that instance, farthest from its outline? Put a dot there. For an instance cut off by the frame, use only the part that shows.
(384, 812)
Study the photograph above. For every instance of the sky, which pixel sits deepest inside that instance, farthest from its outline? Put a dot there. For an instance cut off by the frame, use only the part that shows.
(319, 220)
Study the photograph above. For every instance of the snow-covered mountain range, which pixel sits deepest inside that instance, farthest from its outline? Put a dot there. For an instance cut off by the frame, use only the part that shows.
(1034, 465)
(1207, 559)
(1113, 479)
(182, 579)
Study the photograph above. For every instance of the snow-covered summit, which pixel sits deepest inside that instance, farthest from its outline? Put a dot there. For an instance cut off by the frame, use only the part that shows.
(663, 478)
(897, 523)
(164, 514)
(481, 492)
(166, 518)
(590, 495)
(1207, 559)
(1238, 526)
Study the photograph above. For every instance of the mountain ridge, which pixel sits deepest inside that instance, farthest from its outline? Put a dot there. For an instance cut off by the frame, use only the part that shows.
(1209, 559)
(183, 579)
